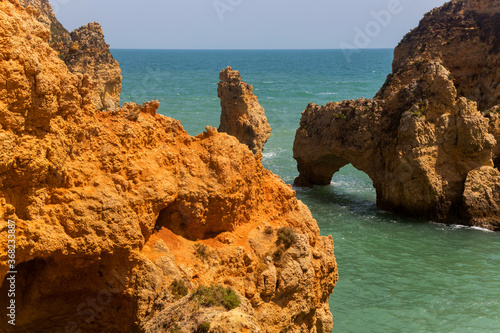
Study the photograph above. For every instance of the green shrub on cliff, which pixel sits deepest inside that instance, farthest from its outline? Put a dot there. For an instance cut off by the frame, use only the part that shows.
(269, 230)
(175, 329)
(178, 289)
(278, 254)
(216, 295)
(286, 236)
(201, 251)
(203, 328)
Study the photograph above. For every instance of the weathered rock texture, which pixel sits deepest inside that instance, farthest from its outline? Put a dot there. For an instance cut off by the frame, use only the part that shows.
(84, 51)
(423, 135)
(482, 196)
(59, 37)
(464, 36)
(242, 116)
(494, 118)
(112, 207)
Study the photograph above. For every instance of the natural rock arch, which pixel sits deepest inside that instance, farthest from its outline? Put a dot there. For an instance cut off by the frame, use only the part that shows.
(417, 151)
(428, 139)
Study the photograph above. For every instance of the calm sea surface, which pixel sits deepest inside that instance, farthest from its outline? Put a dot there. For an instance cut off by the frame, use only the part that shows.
(396, 274)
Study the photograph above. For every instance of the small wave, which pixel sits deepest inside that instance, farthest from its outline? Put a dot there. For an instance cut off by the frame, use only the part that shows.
(302, 189)
(268, 155)
(345, 82)
(351, 184)
(268, 82)
(327, 93)
(459, 227)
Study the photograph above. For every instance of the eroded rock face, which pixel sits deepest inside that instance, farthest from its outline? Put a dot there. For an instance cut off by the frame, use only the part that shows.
(493, 116)
(465, 37)
(84, 51)
(59, 37)
(112, 207)
(242, 116)
(423, 134)
(89, 54)
(482, 197)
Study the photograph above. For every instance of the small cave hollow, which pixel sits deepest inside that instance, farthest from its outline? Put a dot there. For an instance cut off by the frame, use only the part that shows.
(173, 219)
(22, 290)
(54, 296)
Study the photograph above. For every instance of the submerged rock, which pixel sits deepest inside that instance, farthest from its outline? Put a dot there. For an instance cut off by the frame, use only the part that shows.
(424, 133)
(242, 116)
(121, 216)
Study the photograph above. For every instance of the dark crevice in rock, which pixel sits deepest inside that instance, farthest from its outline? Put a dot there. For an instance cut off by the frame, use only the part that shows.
(496, 162)
(56, 297)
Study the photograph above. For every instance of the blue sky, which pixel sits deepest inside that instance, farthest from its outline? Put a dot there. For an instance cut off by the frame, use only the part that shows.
(247, 24)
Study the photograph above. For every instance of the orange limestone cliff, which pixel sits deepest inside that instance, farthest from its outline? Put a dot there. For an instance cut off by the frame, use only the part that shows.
(84, 51)
(125, 223)
(242, 116)
(430, 138)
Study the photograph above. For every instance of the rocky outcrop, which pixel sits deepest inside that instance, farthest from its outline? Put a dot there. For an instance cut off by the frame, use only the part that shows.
(423, 134)
(464, 36)
(84, 51)
(59, 38)
(122, 218)
(482, 197)
(89, 54)
(242, 116)
(493, 116)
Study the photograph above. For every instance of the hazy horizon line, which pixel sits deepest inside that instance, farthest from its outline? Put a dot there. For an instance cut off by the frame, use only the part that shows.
(256, 49)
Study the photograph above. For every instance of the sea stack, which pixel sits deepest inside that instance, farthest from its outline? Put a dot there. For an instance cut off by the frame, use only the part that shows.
(242, 116)
(125, 223)
(429, 139)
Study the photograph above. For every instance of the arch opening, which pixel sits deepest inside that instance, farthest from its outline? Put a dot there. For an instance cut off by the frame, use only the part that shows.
(354, 187)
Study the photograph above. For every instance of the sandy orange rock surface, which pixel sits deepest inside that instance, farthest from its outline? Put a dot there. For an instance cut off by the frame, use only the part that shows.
(112, 207)
(84, 51)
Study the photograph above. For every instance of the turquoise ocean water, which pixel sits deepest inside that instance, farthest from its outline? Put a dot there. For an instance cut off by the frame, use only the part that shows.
(396, 274)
